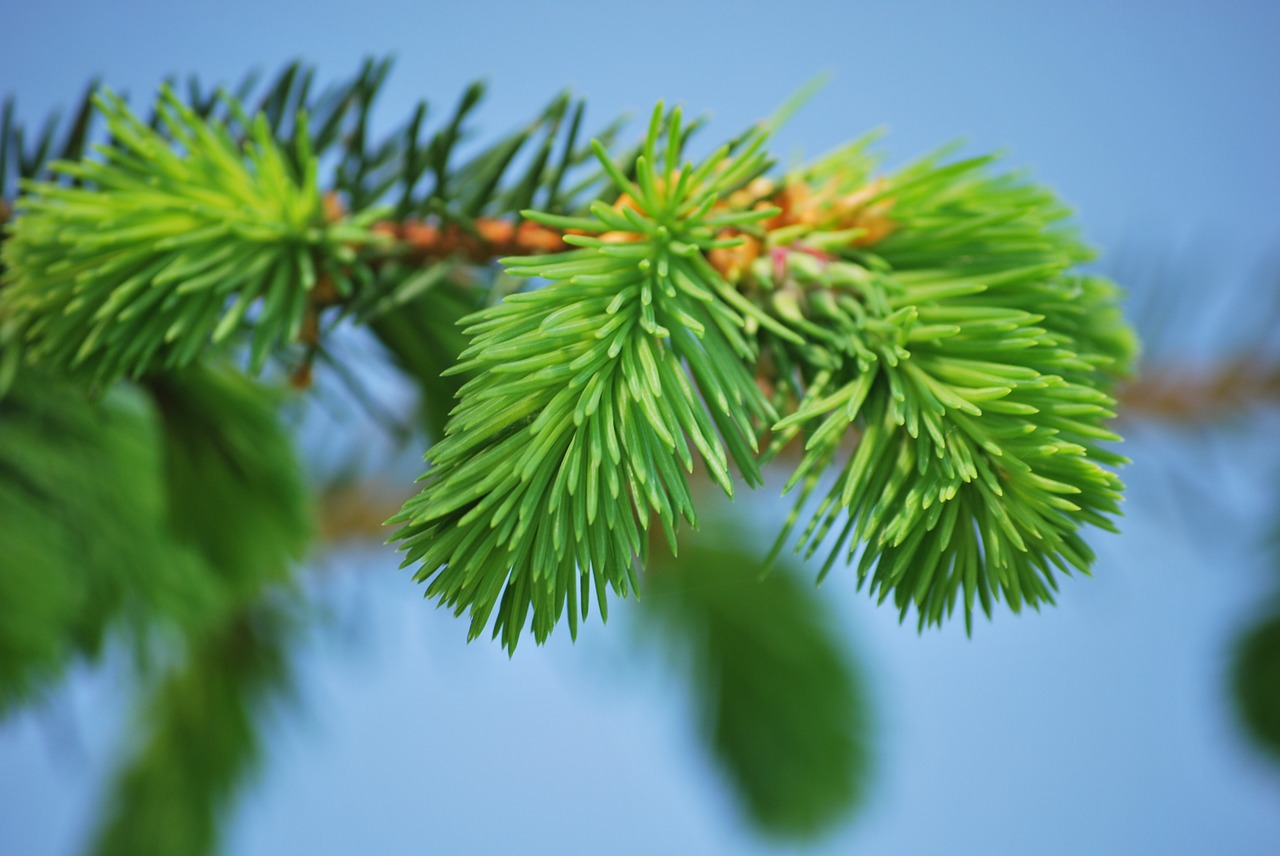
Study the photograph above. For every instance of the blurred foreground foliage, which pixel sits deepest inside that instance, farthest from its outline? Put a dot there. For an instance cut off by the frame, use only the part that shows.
(1256, 683)
(116, 522)
(781, 704)
(82, 510)
(198, 739)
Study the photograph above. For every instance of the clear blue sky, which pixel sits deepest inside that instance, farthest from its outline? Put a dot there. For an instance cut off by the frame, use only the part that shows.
(1096, 727)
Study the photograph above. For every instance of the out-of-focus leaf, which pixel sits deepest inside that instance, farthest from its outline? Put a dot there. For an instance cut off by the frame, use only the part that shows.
(784, 711)
(200, 741)
(175, 519)
(235, 489)
(82, 534)
(1255, 683)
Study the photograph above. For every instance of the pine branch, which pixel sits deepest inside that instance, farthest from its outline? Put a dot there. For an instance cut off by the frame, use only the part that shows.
(1158, 393)
(1195, 396)
(164, 254)
(567, 438)
(971, 365)
(932, 313)
(234, 485)
(931, 319)
(85, 545)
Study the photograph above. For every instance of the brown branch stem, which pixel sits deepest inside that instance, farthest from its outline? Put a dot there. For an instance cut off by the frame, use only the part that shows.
(1199, 396)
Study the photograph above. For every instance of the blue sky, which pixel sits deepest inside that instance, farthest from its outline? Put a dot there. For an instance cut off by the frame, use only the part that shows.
(1098, 726)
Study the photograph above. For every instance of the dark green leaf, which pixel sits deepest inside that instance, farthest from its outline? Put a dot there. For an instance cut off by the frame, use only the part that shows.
(783, 710)
(1255, 683)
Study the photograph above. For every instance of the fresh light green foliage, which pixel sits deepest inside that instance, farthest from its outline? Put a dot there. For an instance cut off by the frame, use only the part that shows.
(782, 707)
(933, 318)
(970, 363)
(958, 347)
(165, 246)
(588, 402)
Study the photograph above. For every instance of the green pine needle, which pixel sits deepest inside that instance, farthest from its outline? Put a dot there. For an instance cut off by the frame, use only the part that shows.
(957, 345)
(591, 397)
(169, 243)
(928, 335)
(971, 365)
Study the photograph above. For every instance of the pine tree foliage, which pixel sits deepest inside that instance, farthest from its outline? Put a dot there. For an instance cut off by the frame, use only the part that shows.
(200, 739)
(972, 364)
(583, 414)
(933, 314)
(234, 485)
(113, 513)
(80, 509)
(160, 251)
(920, 347)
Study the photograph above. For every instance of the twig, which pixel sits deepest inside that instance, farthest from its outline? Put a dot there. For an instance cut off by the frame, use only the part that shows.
(1170, 394)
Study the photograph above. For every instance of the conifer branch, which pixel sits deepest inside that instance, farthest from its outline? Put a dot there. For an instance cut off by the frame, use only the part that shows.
(971, 365)
(582, 412)
(932, 314)
(1197, 396)
(921, 333)
(201, 739)
(930, 321)
(160, 254)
